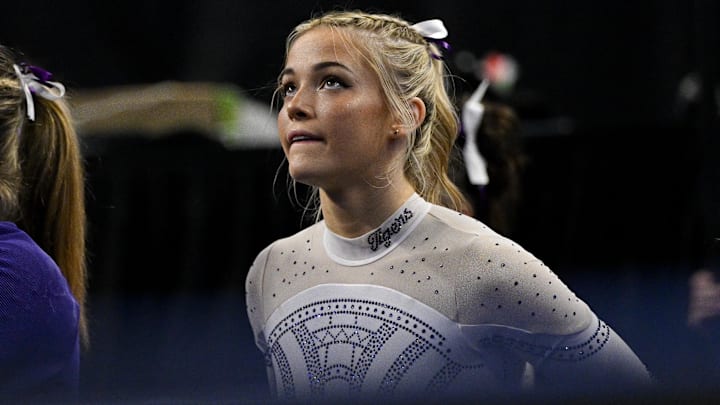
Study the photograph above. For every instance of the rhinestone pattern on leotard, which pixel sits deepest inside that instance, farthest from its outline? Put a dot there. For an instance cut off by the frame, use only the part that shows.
(576, 352)
(316, 304)
(322, 329)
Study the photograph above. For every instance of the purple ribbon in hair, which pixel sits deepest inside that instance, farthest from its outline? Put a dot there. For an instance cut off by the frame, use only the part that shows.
(433, 31)
(35, 81)
(441, 44)
(42, 75)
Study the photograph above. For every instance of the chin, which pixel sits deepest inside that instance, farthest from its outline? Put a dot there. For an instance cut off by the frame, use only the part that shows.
(303, 177)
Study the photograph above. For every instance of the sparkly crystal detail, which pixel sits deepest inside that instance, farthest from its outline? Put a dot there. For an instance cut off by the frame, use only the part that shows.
(341, 340)
(576, 352)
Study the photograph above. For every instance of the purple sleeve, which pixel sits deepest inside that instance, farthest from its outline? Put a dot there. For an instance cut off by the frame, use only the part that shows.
(39, 342)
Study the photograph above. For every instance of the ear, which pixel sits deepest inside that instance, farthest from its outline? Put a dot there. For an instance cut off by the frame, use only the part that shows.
(418, 110)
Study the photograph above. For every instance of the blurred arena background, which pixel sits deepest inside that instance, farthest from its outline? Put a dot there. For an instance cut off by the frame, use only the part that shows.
(619, 104)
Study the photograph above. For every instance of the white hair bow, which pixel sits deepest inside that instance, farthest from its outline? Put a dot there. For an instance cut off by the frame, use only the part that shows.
(434, 29)
(41, 86)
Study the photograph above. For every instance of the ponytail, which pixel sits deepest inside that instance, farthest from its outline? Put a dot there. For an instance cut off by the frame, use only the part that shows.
(52, 197)
(430, 156)
(42, 176)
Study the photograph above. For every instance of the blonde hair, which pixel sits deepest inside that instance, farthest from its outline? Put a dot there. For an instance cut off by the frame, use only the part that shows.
(42, 179)
(403, 61)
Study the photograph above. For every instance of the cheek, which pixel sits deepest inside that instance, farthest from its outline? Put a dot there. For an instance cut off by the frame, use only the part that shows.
(282, 123)
(281, 120)
(354, 116)
(368, 120)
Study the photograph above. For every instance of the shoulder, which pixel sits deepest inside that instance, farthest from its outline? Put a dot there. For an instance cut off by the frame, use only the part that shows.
(281, 247)
(38, 314)
(458, 221)
(497, 281)
(466, 235)
(28, 275)
(288, 244)
(17, 246)
(22, 262)
(254, 281)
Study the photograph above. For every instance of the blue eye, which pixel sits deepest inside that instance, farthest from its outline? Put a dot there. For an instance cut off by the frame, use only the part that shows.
(333, 83)
(287, 89)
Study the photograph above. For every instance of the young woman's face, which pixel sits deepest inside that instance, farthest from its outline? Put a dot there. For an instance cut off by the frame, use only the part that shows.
(334, 125)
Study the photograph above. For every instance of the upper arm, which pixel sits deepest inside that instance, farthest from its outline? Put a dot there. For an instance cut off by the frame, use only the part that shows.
(254, 293)
(596, 359)
(506, 285)
(521, 305)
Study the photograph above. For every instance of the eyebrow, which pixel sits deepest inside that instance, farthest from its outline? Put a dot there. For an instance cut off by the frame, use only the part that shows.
(318, 67)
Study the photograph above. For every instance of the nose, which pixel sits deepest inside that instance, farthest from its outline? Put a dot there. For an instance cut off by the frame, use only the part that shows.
(299, 106)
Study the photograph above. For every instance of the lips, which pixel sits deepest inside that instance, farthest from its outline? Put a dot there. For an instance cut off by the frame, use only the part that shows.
(301, 136)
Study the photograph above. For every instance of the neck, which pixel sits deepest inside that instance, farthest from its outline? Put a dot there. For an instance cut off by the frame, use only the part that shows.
(351, 213)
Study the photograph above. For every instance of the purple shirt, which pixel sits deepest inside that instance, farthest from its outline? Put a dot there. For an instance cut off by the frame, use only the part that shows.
(39, 342)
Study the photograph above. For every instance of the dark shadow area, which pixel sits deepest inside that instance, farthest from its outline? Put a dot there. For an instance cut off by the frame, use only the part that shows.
(172, 348)
(620, 205)
(174, 225)
(613, 196)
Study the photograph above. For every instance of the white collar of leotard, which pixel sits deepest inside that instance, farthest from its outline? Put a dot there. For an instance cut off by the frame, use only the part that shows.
(376, 244)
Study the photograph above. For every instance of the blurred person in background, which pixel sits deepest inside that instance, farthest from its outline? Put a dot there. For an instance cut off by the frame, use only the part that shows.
(494, 160)
(220, 111)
